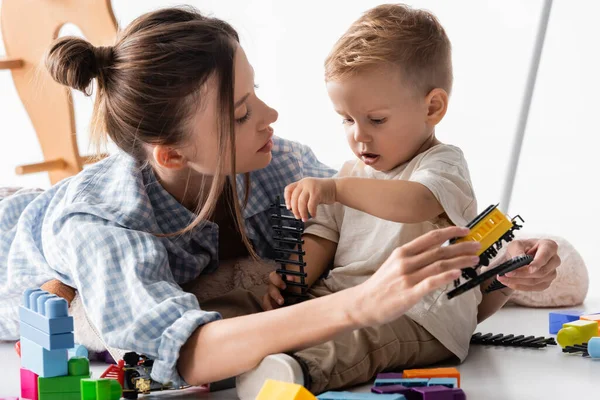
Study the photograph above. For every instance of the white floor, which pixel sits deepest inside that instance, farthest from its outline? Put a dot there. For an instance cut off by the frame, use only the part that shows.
(489, 373)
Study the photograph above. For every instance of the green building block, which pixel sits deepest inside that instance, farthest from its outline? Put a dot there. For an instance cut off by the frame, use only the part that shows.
(60, 396)
(100, 389)
(61, 384)
(78, 367)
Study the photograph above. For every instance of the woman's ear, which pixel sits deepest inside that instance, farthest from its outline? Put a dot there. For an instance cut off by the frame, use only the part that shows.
(437, 105)
(168, 157)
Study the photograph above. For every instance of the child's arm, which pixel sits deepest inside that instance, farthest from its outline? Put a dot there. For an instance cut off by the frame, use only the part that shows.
(319, 255)
(392, 200)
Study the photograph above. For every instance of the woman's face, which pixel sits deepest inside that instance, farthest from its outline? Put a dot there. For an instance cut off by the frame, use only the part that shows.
(253, 131)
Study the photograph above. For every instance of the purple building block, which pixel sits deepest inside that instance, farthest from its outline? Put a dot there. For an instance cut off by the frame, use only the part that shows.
(435, 393)
(396, 389)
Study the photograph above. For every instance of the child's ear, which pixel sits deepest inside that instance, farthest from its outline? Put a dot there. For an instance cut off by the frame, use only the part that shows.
(437, 105)
(168, 157)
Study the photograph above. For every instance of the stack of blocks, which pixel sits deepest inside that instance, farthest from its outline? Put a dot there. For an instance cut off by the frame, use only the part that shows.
(47, 373)
(46, 334)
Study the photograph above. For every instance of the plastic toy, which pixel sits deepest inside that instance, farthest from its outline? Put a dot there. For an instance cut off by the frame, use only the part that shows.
(433, 373)
(448, 382)
(557, 319)
(29, 384)
(289, 241)
(407, 382)
(46, 333)
(593, 317)
(359, 396)
(391, 389)
(577, 332)
(100, 389)
(68, 386)
(136, 376)
(78, 351)
(276, 390)
(511, 340)
(491, 227)
(437, 393)
(507, 266)
(590, 349)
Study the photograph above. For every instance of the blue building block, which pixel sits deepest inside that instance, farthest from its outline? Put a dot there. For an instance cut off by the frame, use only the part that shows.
(359, 396)
(448, 382)
(408, 382)
(45, 363)
(49, 342)
(556, 319)
(78, 351)
(45, 312)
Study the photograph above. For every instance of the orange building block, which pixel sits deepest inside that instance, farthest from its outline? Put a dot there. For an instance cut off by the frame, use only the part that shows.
(432, 373)
(594, 317)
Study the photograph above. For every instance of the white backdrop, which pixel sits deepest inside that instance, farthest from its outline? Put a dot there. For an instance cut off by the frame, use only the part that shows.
(287, 43)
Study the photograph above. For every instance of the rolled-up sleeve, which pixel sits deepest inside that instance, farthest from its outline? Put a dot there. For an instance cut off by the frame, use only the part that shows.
(128, 290)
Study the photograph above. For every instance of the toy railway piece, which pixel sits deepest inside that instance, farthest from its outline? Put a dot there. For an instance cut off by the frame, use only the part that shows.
(491, 227)
(511, 340)
(479, 279)
(577, 348)
(288, 237)
(511, 265)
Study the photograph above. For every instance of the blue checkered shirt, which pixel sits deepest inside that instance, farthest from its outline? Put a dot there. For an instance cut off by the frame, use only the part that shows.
(96, 232)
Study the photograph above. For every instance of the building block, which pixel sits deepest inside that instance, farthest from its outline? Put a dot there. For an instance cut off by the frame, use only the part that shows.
(45, 363)
(29, 384)
(276, 390)
(45, 312)
(391, 389)
(60, 396)
(436, 393)
(433, 373)
(49, 342)
(448, 382)
(78, 351)
(390, 375)
(359, 396)
(577, 332)
(100, 389)
(592, 317)
(594, 347)
(408, 382)
(78, 368)
(557, 319)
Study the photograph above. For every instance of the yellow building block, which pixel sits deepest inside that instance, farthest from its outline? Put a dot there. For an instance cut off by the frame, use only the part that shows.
(577, 332)
(276, 390)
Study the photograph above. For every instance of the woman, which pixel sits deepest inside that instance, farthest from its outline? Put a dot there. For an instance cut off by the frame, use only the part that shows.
(176, 94)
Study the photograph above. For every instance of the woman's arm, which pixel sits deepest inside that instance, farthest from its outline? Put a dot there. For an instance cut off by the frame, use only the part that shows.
(225, 348)
(228, 347)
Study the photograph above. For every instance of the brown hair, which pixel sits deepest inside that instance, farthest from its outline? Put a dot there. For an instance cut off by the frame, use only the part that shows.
(151, 83)
(397, 34)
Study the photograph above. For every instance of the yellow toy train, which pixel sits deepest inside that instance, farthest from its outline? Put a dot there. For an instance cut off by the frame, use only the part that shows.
(490, 228)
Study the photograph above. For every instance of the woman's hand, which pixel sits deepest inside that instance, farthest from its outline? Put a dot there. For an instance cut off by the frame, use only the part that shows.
(412, 271)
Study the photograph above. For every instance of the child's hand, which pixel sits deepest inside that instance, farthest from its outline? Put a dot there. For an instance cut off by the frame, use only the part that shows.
(304, 196)
(273, 298)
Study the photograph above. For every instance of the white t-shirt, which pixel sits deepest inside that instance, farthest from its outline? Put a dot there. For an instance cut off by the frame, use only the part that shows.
(365, 242)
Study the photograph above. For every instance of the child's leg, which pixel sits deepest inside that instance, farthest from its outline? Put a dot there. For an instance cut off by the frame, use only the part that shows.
(357, 357)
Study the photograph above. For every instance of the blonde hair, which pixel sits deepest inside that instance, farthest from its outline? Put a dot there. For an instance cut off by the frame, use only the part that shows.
(396, 34)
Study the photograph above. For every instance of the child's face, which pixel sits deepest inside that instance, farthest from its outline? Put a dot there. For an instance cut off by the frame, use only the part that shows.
(386, 123)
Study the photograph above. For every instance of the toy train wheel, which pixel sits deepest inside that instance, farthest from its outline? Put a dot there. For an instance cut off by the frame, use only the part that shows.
(129, 388)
